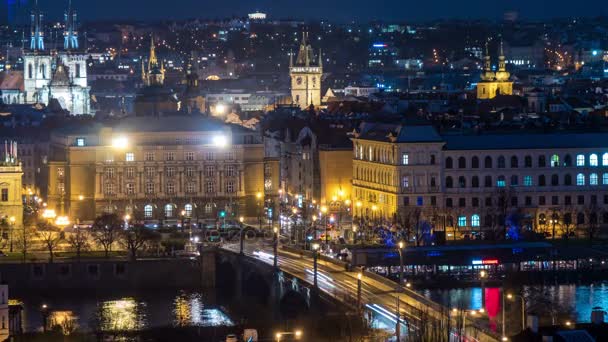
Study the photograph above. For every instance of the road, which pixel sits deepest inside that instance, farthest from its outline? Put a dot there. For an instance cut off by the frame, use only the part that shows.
(377, 294)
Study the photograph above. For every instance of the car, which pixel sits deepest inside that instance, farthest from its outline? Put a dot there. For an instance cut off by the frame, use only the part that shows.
(232, 338)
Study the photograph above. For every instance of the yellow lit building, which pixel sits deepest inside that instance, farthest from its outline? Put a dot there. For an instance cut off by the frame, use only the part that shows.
(336, 170)
(153, 168)
(306, 76)
(11, 203)
(494, 83)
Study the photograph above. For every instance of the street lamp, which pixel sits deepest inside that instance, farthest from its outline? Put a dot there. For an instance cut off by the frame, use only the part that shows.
(315, 255)
(354, 235)
(12, 221)
(359, 276)
(324, 211)
(314, 226)
(127, 219)
(259, 197)
(400, 250)
(523, 309)
(241, 220)
(276, 245)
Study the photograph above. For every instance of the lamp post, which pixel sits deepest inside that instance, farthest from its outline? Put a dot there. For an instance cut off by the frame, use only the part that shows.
(127, 219)
(482, 276)
(276, 246)
(374, 208)
(259, 197)
(523, 309)
(400, 250)
(12, 221)
(354, 235)
(241, 220)
(45, 315)
(359, 276)
(315, 255)
(314, 226)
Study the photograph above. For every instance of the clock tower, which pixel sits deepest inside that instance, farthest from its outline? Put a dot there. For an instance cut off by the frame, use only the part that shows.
(305, 76)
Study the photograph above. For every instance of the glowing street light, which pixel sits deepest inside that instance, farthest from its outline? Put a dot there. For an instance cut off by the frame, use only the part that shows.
(120, 142)
(220, 141)
(62, 221)
(80, 197)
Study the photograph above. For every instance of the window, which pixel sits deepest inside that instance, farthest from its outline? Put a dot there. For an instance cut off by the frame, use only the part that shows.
(541, 200)
(209, 171)
(605, 159)
(448, 163)
(580, 218)
(487, 182)
(475, 202)
(487, 163)
(170, 188)
(568, 179)
(433, 200)
(605, 179)
(475, 220)
(448, 202)
(593, 160)
(109, 172)
(170, 156)
(109, 189)
(405, 159)
(230, 171)
(475, 182)
(528, 201)
(580, 200)
(542, 162)
(190, 172)
(208, 208)
(462, 202)
(554, 180)
(554, 200)
(130, 172)
(170, 171)
(4, 195)
(149, 156)
(449, 183)
(593, 179)
(208, 155)
(567, 200)
(500, 182)
(230, 186)
(432, 159)
(149, 188)
(130, 188)
(568, 160)
(405, 181)
(462, 183)
(190, 188)
(541, 180)
(514, 180)
(189, 156)
(169, 210)
(188, 210)
(488, 201)
(514, 162)
(210, 187)
(528, 181)
(462, 163)
(580, 160)
(462, 221)
(580, 179)
(80, 142)
(475, 163)
(554, 160)
(150, 172)
(231, 156)
(514, 201)
(501, 162)
(528, 161)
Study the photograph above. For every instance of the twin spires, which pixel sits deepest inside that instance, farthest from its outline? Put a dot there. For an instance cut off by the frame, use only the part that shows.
(10, 152)
(70, 34)
(305, 56)
(502, 74)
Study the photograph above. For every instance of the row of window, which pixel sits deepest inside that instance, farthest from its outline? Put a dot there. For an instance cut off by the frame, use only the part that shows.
(501, 163)
(190, 172)
(170, 210)
(501, 201)
(170, 188)
(501, 181)
(567, 219)
(171, 156)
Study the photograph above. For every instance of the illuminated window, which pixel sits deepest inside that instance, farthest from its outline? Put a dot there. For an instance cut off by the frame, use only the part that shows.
(593, 160)
(208, 208)
(190, 188)
(230, 186)
(580, 160)
(605, 179)
(405, 159)
(189, 156)
(528, 181)
(580, 179)
(4, 195)
(130, 157)
(80, 142)
(405, 182)
(230, 171)
(210, 187)
(130, 172)
(190, 172)
(605, 159)
(170, 188)
(169, 210)
(149, 156)
(170, 172)
(188, 210)
(593, 179)
(130, 188)
(209, 171)
(554, 160)
(462, 221)
(148, 211)
(149, 188)
(109, 189)
(475, 220)
(500, 182)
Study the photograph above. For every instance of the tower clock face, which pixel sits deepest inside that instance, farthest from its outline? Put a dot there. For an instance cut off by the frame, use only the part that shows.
(299, 80)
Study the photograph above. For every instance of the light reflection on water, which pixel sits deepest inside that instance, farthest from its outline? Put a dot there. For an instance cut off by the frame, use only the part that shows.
(189, 311)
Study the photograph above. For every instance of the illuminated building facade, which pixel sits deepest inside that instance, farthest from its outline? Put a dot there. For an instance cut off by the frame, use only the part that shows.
(11, 203)
(480, 182)
(306, 76)
(153, 168)
(494, 83)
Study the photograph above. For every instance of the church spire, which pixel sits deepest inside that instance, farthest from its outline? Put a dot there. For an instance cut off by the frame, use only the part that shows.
(37, 36)
(152, 61)
(70, 35)
(320, 58)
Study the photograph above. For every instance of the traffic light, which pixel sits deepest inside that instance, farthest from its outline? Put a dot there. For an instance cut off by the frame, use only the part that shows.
(222, 213)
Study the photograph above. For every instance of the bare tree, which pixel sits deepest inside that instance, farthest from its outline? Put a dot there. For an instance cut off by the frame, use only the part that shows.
(25, 239)
(4, 232)
(568, 223)
(501, 206)
(135, 238)
(79, 241)
(50, 236)
(591, 212)
(105, 231)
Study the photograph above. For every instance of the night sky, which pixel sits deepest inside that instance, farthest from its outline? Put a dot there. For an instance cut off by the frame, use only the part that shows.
(337, 10)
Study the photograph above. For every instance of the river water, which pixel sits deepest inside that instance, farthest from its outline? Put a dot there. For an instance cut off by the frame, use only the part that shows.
(553, 304)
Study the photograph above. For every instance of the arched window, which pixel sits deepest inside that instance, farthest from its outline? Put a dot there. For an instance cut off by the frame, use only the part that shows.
(462, 163)
(593, 179)
(462, 183)
(514, 180)
(580, 179)
(580, 160)
(605, 179)
(542, 162)
(449, 183)
(148, 211)
(487, 162)
(448, 163)
(501, 162)
(462, 221)
(554, 160)
(475, 220)
(30, 71)
(593, 160)
(528, 161)
(475, 162)
(554, 180)
(514, 162)
(568, 179)
(188, 210)
(500, 182)
(43, 70)
(541, 180)
(567, 160)
(605, 159)
(475, 182)
(169, 210)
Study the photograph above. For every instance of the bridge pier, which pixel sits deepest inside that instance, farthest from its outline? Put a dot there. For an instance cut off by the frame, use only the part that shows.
(207, 264)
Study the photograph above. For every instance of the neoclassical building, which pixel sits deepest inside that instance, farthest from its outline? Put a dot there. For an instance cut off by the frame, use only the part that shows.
(472, 183)
(153, 168)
